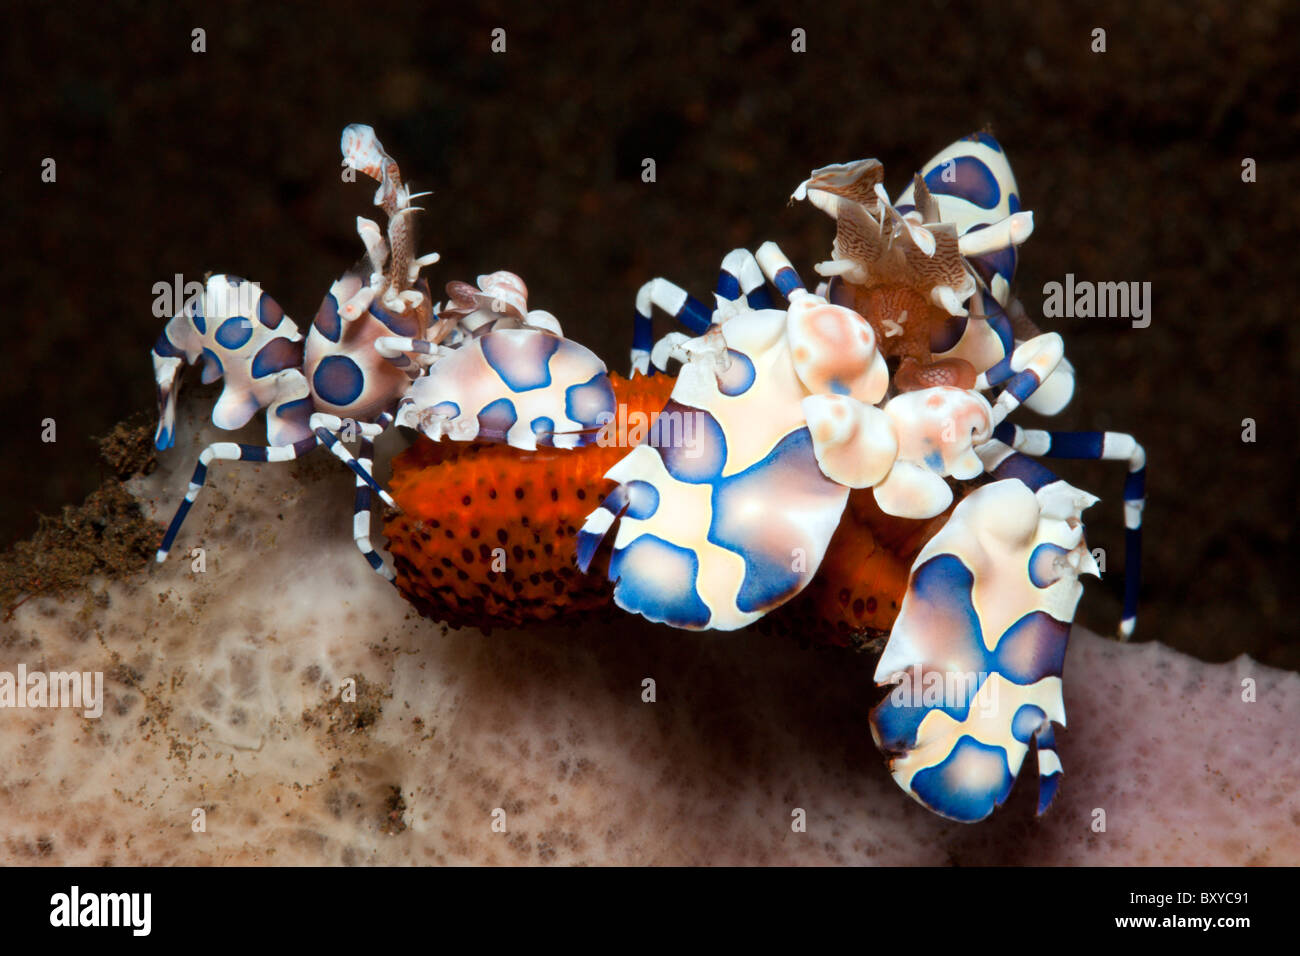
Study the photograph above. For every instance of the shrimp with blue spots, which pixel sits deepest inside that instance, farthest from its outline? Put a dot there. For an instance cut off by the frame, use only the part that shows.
(933, 271)
(729, 515)
(332, 387)
(511, 376)
(243, 336)
(991, 597)
(975, 657)
(975, 334)
(796, 407)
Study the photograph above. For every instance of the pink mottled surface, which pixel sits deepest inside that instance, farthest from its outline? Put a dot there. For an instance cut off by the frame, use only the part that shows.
(209, 675)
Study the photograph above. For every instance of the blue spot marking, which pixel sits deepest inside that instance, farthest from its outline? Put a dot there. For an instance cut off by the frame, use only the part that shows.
(642, 499)
(328, 322)
(276, 356)
(521, 366)
(1027, 721)
(940, 580)
(196, 315)
(1013, 202)
(297, 412)
(252, 453)
(543, 430)
(639, 498)
(636, 498)
(792, 467)
(934, 461)
(945, 788)
(905, 208)
(338, 380)
(1031, 649)
(738, 377)
(165, 348)
(497, 418)
(691, 443)
(759, 299)
(447, 409)
(234, 333)
(212, 368)
(943, 584)
(896, 724)
(269, 312)
(660, 585)
(973, 181)
(590, 403)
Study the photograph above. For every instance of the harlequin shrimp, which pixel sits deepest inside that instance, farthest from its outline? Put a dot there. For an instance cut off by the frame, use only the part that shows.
(378, 351)
(878, 381)
(307, 388)
(845, 454)
(488, 534)
(511, 376)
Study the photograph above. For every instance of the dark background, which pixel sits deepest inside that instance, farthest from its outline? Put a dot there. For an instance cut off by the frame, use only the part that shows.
(172, 161)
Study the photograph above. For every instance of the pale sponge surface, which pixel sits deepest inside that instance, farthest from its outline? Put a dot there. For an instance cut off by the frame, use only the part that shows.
(222, 695)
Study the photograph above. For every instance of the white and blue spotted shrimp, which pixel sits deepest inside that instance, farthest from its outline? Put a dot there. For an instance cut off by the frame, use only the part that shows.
(509, 374)
(718, 541)
(496, 371)
(970, 188)
(483, 367)
(729, 515)
(991, 597)
(784, 401)
(976, 654)
(974, 188)
(313, 390)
